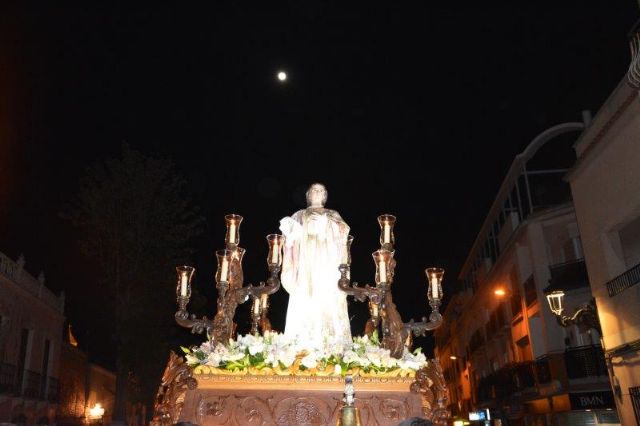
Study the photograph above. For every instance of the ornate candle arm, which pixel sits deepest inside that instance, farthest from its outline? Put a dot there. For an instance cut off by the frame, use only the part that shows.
(183, 294)
(362, 294)
(434, 295)
(396, 335)
(256, 293)
(383, 310)
(229, 282)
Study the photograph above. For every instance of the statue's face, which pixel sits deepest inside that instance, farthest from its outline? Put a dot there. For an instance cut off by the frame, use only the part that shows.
(316, 195)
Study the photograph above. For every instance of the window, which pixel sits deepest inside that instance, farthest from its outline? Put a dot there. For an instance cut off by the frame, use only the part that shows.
(22, 356)
(45, 368)
(530, 294)
(516, 301)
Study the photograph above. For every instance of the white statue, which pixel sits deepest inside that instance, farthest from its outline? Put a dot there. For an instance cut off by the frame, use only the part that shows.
(315, 245)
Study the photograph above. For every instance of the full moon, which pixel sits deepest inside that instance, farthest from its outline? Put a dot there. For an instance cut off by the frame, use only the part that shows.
(282, 76)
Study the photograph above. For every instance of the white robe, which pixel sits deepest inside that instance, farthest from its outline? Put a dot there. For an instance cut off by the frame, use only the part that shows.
(317, 314)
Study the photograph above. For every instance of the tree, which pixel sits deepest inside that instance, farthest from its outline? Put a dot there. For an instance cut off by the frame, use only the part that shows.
(137, 224)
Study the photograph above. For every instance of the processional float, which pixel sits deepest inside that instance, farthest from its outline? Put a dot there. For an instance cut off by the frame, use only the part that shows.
(180, 380)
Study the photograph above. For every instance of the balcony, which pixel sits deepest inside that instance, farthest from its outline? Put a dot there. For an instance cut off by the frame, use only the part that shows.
(505, 382)
(568, 276)
(53, 392)
(527, 378)
(31, 384)
(35, 385)
(585, 361)
(8, 378)
(624, 281)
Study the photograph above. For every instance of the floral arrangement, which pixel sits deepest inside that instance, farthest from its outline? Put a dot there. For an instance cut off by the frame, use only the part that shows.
(274, 354)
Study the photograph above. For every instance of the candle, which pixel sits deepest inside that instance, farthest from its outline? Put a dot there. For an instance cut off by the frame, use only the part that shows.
(387, 233)
(275, 252)
(382, 269)
(232, 233)
(224, 270)
(434, 287)
(184, 280)
(256, 306)
(345, 255)
(374, 310)
(264, 299)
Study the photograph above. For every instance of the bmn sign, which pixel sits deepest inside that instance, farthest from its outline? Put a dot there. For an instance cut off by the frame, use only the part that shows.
(591, 400)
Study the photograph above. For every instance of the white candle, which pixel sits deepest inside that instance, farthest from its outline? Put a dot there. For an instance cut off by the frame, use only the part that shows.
(263, 300)
(224, 270)
(434, 287)
(382, 269)
(276, 252)
(374, 310)
(345, 255)
(232, 233)
(183, 285)
(256, 306)
(387, 233)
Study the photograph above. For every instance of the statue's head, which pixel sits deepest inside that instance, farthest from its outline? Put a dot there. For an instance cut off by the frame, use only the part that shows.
(316, 195)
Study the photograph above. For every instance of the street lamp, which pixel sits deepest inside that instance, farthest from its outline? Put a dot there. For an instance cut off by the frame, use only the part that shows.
(500, 292)
(96, 412)
(586, 317)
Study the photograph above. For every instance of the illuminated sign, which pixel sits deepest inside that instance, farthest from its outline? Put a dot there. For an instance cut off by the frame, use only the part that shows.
(480, 415)
(591, 400)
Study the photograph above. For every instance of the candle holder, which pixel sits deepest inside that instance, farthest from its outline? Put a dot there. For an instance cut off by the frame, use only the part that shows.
(434, 296)
(230, 285)
(396, 334)
(387, 238)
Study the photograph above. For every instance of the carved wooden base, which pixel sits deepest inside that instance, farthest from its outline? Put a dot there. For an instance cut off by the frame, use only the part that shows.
(291, 400)
(199, 397)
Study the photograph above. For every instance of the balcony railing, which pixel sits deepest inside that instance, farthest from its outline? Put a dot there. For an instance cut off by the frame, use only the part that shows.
(53, 392)
(35, 385)
(507, 381)
(582, 362)
(8, 378)
(624, 281)
(585, 361)
(568, 275)
(31, 382)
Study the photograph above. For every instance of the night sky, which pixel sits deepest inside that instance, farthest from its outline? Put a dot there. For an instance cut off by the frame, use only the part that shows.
(404, 108)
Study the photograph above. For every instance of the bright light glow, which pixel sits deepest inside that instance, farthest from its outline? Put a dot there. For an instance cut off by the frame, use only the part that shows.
(500, 292)
(453, 357)
(96, 412)
(458, 423)
(282, 76)
(555, 300)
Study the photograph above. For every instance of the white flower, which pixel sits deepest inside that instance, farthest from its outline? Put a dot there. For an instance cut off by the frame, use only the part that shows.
(256, 348)
(310, 360)
(191, 359)
(214, 359)
(411, 361)
(350, 356)
(234, 356)
(337, 369)
(286, 357)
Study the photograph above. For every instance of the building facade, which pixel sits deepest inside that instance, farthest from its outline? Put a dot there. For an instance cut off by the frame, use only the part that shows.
(606, 188)
(31, 326)
(83, 386)
(503, 352)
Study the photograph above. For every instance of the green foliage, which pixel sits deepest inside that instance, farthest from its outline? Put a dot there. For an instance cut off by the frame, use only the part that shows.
(137, 224)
